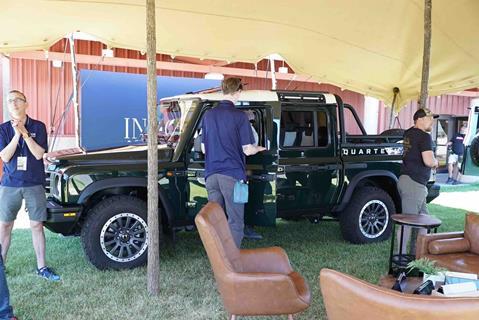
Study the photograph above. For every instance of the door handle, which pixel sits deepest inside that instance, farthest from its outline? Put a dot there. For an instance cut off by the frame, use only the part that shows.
(262, 177)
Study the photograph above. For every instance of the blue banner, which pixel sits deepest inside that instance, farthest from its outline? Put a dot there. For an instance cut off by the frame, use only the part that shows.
(113, 106)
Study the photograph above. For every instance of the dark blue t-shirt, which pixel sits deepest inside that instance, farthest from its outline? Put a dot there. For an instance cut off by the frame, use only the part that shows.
(415, 143)
(458, 144)
(225, 131)
(35, 173)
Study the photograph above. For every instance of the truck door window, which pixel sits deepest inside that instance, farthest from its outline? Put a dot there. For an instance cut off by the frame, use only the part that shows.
(297, 129)
(352, 123)
(255, 116)
(322, 121)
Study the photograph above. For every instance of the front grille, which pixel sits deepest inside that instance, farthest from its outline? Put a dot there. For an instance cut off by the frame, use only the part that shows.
(51, 182)
(48, 183)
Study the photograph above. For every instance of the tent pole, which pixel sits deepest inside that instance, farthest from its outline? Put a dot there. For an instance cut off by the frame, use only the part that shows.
(75, 88)
(153, 269)
(273, 75)
(393, 106)
(426, 54)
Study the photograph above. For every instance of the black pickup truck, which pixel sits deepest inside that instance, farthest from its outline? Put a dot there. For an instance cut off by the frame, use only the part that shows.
(312, 168)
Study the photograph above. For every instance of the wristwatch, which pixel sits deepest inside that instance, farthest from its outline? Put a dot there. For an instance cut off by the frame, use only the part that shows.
(28, 135)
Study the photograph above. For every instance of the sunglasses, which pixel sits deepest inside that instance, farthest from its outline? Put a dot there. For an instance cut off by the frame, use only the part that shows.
(17, 100)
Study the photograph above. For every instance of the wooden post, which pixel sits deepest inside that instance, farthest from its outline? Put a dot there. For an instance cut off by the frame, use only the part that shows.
(153, 269)
(426, 57)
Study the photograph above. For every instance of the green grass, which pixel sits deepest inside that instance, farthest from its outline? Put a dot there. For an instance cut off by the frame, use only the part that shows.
(461, 188)
(187, 283)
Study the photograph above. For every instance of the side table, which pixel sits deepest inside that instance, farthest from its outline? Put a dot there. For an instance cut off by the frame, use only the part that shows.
(398, 262)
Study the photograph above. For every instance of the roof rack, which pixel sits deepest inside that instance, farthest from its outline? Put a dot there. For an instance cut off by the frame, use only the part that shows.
(305, 96)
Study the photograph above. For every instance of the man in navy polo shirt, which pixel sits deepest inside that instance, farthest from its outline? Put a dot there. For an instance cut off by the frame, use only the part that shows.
(227, 139)
(457, 152)
(23, 142)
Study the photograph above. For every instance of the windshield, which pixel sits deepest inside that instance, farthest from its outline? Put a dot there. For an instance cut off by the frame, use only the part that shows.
(173, 119)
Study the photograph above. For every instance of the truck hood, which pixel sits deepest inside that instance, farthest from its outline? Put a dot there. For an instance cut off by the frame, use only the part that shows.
(128, 153)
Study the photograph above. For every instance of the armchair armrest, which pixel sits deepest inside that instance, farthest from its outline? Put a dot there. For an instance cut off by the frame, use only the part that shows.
(423, 240)
(452, 245)
(272, 260)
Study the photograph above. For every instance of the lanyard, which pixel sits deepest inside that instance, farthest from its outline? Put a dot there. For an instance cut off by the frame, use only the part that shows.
(22, 146)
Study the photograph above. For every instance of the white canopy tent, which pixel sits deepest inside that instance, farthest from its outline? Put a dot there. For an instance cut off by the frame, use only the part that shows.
(368, 46)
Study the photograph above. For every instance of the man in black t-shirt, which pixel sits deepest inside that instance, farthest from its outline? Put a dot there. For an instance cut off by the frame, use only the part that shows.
(455, 156)
(418, 160)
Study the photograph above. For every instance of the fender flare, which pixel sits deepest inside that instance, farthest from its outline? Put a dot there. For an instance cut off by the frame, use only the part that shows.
(360, 177)
(127, 182)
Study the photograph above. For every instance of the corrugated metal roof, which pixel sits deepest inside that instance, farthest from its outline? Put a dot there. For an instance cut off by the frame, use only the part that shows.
(48, 89)
(446, 104)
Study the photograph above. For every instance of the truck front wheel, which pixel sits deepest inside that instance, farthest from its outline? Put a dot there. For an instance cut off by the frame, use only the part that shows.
(367, 218)
(115, 233)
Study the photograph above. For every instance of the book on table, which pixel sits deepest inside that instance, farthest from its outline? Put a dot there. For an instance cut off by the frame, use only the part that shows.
(460, 284)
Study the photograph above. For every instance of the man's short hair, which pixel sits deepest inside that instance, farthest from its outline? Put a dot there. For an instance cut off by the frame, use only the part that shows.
(231, 85)
(18, 92)
(424, 112)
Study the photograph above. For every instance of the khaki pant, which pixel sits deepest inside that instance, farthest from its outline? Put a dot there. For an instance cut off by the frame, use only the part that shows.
(413, 201)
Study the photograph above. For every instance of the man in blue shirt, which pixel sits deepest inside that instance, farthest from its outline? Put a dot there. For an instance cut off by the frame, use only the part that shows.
(455, 157)
(227, 139)
(23, 142)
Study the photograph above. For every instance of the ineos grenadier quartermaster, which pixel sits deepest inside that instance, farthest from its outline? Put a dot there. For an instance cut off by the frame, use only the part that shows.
(314, 166)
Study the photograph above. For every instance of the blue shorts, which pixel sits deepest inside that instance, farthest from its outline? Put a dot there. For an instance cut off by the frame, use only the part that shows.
(11, 201)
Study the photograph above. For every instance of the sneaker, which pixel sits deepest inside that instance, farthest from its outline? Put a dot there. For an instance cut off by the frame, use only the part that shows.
(449, 180)
(48, 274)
(249, 233)
(455, 182)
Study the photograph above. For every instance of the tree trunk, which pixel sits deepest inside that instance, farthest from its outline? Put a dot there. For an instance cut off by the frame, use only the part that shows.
(426, 54)
(153, 216)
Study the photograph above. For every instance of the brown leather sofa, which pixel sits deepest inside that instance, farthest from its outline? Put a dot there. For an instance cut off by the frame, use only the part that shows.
(250, 281)
(456, 251)
(348, 298)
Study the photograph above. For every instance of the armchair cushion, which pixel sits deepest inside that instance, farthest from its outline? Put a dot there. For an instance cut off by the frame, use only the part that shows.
(471, 231)
(460, 262)
(452, 245)
(265, 294)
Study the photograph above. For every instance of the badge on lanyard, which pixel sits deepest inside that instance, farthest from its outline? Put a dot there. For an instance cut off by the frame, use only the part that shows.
(22, 163)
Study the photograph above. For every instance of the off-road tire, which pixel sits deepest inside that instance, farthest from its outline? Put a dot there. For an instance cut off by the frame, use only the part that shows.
(114, 213)
(475, 150)
(375, 207)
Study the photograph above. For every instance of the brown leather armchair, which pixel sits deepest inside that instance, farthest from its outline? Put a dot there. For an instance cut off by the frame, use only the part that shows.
(346, 297)
(250, 281)
(456, 251)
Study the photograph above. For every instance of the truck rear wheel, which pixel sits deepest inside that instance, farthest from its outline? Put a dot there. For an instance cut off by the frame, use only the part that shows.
(115, 233)
(367, 218)
(475, 150)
